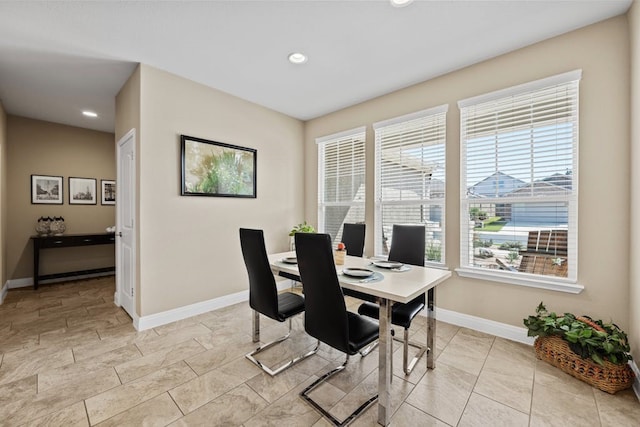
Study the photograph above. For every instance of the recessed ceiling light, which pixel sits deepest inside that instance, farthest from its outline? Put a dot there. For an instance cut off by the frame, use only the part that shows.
(297, 58)
(400, 3)
(90, 114)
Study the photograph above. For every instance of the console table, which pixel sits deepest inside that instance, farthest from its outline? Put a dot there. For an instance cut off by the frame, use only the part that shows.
(65, 241)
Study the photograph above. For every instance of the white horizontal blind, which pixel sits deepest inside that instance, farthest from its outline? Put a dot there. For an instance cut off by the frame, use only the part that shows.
(410, 178)
(341, 181)
(519, 181)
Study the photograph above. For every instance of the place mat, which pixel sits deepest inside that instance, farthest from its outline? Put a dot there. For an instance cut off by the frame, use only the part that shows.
(375, 277)
(404, 268)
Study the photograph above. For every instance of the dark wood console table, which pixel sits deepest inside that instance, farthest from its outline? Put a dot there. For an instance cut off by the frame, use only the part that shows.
(65, 241)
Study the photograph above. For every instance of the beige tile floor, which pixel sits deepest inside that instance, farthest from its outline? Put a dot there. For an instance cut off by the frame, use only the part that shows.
(69, 357)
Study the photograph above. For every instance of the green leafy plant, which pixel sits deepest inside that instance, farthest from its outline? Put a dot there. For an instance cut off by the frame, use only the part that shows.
(477, 214)
(586, 337)
(511, 245)
(302, 228)
(512, 257)
(434, 252)
(479, 243)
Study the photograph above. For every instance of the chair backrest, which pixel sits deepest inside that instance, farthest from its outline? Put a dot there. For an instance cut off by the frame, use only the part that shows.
(408, 244)
(353, 238)
(325, 311)
(263, 295)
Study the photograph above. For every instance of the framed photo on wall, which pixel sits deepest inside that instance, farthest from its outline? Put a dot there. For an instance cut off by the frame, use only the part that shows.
(46, 189)
(82, 191)
(211, 168)
(108, 192)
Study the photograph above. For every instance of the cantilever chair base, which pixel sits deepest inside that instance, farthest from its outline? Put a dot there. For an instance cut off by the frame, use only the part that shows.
(365, 351)
(265, 368)
(422, 349)
(324, 412)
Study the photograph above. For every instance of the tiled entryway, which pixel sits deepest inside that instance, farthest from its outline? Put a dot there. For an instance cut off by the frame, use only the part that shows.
(69, 357)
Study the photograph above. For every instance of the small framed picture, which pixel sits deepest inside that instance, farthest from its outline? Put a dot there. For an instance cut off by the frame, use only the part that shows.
(46, 189)
(82, 191)
(108, 192)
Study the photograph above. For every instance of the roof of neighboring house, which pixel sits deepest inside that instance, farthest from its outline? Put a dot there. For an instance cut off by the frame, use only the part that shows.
(560, 179)
(495, 185)
(539, 188)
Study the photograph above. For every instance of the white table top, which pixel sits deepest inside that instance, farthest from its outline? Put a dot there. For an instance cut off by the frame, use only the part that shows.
(397, 286)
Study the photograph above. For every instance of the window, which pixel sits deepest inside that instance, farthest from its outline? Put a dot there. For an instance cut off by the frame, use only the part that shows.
(410, 178)
(519, 195)
(341, 181)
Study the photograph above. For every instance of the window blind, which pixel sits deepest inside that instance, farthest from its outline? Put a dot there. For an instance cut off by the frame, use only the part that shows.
(341, 181)
(519, 167)
(410, 178)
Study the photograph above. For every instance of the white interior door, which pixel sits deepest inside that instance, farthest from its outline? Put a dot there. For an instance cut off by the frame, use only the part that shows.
(125, 224)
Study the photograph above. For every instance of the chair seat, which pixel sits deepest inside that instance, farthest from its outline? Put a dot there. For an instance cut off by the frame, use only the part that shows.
(289, 304)
(401, 314)
(362, 332)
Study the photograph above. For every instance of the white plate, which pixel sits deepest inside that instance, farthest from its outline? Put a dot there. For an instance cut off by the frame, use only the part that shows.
(357, 272)
(290, 260)
(388, 264)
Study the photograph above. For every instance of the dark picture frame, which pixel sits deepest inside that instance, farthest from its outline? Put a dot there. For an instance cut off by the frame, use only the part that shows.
(108, 192)
(211, 168)
(47, 189)
(82, 191)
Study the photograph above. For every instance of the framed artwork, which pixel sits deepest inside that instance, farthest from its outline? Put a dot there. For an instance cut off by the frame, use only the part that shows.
(82, 191)
(211, 168)
(46, 189)
(108, 192)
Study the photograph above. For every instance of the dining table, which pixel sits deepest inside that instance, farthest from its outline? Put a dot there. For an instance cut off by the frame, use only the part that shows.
(388, 286)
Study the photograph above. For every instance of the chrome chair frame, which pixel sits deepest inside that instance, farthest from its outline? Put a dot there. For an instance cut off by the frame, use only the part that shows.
(264, 298)
(305, 395)
(256, 338)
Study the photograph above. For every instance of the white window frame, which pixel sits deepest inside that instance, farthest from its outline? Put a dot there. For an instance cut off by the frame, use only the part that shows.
(340, 137)
(379, 203)
(568, 284)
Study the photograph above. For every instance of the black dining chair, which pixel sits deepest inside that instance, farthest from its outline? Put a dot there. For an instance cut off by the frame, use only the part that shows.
(264, 298)
(326, 317)
(353, 238)
(407, 247)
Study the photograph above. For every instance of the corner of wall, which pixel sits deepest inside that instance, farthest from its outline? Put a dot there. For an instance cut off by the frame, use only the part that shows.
(3, 196)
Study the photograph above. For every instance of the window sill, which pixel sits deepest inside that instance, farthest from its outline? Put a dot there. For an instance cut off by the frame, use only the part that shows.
(560, 285)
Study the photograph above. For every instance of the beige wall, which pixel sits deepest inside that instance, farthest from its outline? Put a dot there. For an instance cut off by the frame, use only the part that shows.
(3, 195)
(601, 51)
(43, 148)
(634, 294)
(189, 246)
(127, 118)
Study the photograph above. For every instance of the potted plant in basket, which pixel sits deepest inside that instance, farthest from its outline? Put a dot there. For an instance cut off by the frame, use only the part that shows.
(588, 349)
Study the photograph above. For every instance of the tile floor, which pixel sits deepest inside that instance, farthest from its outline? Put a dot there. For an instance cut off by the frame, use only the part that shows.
(69, 357)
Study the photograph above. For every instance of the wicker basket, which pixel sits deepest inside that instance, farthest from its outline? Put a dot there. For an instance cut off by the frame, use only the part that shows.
(610, 377)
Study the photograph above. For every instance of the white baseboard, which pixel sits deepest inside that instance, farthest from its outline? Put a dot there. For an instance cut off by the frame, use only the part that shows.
(20, 283)
(3, 291)
(502, 330)
(162, 318)
(28, 281)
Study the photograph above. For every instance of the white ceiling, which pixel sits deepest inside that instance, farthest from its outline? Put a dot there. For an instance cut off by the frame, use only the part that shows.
(58, 58)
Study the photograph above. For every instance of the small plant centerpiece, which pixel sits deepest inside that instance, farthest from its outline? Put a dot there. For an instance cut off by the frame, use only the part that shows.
(300, 228)
(590, 350)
